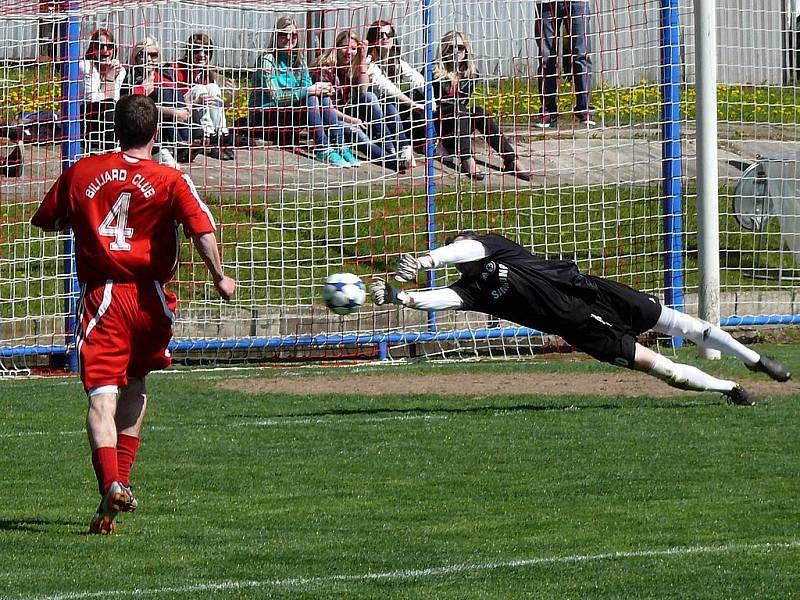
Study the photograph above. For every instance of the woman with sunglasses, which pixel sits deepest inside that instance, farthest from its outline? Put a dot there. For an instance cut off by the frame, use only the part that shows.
(102, 76)
(344, 67)
(147, 78)
(207, 93)
(387, 72)
(455, 76)
(285, 100)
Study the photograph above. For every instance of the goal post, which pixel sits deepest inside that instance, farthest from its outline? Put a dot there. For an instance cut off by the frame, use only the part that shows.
(71, 152)
(672, 154)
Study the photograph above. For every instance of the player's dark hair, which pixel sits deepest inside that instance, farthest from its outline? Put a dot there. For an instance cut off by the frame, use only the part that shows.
(466, 235)
(135, 121)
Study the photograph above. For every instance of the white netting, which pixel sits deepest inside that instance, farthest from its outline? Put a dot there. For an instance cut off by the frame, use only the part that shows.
(597, 193)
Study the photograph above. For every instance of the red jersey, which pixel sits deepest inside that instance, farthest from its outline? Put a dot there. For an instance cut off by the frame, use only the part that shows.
(338, 77)
(185, 77)
(159, 81)
(125, 214)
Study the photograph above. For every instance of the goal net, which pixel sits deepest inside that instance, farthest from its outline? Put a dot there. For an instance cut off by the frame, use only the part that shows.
(586, 156)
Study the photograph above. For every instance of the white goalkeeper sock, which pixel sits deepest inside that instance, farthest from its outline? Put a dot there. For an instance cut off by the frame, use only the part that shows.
(687, 377)
(705, 335)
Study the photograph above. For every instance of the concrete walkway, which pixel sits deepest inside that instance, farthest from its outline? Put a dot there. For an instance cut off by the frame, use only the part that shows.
(566, 157)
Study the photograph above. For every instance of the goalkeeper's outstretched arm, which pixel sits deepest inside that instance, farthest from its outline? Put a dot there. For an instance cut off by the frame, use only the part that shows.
(441, 299)
(460, 251)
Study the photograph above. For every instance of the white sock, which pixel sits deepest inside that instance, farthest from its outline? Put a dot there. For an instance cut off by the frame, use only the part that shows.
(687, 377)
(705, 335)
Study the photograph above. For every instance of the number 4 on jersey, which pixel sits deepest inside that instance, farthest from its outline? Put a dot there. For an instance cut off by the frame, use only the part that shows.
(120, 231)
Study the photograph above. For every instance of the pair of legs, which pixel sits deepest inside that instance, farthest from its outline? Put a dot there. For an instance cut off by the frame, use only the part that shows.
(123, 332)
(574, 16)
(114, 420)
(383, 120)
(455, 131)
(279, 125)
(331, 133)
(705, 335)
(114, 423)
(174, 135)
(318, 115)
(172, 131)
(618, 313)
(415, 124)
(208, 109)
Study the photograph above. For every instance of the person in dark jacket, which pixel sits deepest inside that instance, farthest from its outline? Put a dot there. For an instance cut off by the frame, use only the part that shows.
(455, 76)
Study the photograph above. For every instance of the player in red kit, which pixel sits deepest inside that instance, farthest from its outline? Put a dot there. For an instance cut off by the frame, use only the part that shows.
(125, 210)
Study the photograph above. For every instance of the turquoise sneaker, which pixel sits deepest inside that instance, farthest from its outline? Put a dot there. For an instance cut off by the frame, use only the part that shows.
(332, 157)
(348, 155)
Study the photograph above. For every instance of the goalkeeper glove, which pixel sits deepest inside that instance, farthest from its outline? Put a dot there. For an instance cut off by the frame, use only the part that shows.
(383, 293)
(408, 267)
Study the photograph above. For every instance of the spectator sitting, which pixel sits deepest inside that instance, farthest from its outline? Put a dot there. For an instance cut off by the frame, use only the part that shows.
(387, 72)
(147, 78)
(285, 99)
(203, 87)
(102, 76)
(454, 81)
(344, 67)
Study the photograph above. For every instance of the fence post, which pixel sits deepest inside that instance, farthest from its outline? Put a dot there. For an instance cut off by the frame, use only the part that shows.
(69, 58)
(671, 156)
(705, 33)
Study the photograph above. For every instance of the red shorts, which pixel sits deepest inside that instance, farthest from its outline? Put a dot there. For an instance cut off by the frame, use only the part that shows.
(123, 330)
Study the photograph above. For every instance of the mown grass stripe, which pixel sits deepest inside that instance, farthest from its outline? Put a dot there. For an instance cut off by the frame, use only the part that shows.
(271, 422)
(407, 574)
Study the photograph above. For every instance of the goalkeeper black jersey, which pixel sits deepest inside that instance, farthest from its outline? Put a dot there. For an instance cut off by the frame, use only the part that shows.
(511, 283)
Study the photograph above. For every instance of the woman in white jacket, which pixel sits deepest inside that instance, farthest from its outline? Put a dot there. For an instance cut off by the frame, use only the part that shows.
(102, 75)
(388, 72)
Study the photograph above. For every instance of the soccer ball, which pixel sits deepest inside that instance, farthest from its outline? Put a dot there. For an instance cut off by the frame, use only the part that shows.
(344, 293)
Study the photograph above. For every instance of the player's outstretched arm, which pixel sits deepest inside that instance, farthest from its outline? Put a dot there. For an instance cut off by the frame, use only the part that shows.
(439, 299)
(206, 244)
(460, 251)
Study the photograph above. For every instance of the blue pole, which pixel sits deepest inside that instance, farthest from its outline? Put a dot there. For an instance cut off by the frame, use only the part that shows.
(69, 56)
(430, 144)
(382, 340)
(671, 156)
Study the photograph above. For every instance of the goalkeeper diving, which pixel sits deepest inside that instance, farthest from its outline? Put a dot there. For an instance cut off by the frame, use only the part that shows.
(593, 314)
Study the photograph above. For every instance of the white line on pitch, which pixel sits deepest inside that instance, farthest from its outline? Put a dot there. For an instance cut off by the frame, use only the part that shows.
(19, 434)
(272, 422)
(407, 574)
(331, 421)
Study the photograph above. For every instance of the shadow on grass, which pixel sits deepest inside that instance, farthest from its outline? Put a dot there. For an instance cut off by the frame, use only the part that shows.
(702, 402)
(37, 525)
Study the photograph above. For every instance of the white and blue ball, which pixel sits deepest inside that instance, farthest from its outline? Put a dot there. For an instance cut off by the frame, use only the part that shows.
(344, 293)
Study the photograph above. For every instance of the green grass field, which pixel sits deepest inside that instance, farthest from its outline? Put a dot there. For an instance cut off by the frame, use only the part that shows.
(342, 496)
